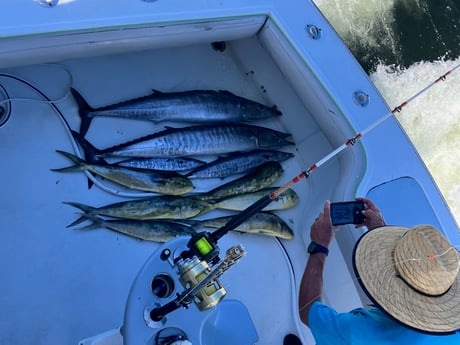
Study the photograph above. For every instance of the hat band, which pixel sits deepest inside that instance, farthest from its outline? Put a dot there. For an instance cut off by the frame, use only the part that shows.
(419, 291)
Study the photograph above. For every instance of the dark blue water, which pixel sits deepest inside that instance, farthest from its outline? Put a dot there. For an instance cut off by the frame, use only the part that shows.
(404, 45)
(396, 32)
(430, 32)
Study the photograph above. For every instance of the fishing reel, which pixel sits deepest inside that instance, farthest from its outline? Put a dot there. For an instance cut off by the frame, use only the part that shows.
(198, 269)
(199, 266)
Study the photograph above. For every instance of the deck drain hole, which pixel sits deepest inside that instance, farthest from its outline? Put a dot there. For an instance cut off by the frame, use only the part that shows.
(5, 106)
(219, 46)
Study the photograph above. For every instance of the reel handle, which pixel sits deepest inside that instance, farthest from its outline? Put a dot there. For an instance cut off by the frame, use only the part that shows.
(157, 314)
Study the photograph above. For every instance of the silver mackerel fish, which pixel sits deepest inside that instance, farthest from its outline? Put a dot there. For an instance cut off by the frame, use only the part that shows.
(237, 163)
(197, 106)
(200, 140)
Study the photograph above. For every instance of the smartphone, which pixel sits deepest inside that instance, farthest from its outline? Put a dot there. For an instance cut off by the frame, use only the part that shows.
(348, 212)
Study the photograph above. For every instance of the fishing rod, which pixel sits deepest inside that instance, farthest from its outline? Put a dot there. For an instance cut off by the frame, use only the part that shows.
(204, 245)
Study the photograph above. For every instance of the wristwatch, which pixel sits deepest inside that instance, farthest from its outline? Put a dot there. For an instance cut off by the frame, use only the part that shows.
(314, 247)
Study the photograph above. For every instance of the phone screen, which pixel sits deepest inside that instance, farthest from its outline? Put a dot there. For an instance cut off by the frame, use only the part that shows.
(348, 212)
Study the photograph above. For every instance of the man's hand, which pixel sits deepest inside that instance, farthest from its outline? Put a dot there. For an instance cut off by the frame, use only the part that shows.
(374, 218)
(322, 230)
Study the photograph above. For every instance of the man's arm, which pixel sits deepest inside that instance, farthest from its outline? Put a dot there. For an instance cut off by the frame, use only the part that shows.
(322, 232)
(311, 286)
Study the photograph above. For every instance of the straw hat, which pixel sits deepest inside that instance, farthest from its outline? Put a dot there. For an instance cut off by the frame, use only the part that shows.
(412, 274)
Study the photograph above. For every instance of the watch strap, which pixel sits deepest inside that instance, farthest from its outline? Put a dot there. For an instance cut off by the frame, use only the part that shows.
(314, 247)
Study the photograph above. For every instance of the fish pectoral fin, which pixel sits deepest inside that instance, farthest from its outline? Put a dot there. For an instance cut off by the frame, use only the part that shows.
(192, 223)
(266, 232)
(240, 232)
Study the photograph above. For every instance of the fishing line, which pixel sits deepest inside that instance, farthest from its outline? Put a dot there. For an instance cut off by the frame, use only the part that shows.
(434, 255)
(309, 302)
(37, 90)
(68, 129)
(294, 301)
(429, 256)
(264, 201)
(7, 100)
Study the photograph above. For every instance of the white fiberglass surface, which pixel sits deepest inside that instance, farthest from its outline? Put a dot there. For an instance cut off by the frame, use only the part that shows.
(61, 285)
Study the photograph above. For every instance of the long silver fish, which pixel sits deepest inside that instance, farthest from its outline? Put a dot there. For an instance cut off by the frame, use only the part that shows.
(240, 202)
(157, 207)
(163, 163)
(200, 140)
(261, 223)
(200, 106)
(140, 179)
(237, 163)
(262, 177)
(148, 230)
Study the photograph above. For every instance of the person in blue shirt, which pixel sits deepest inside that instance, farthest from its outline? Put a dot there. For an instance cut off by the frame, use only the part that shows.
(410, 274)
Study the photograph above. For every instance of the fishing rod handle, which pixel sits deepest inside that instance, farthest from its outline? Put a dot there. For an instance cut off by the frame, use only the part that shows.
(241, 217)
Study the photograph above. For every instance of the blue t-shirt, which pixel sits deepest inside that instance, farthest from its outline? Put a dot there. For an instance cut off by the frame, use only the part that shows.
(362, 326)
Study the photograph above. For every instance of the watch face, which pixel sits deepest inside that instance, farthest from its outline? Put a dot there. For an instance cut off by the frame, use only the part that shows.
(311, 247)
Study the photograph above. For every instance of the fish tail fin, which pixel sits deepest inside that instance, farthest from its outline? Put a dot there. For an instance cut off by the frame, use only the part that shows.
(88, 210)
(287, 136)
(79, 220)
(91, 152)
(96, 222)
(79, 164)
(84, 110)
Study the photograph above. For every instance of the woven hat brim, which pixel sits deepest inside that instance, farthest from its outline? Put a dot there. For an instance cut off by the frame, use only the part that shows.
(374, 267)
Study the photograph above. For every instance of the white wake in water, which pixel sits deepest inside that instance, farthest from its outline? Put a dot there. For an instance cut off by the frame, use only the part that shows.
(362, 23)
(432, 121)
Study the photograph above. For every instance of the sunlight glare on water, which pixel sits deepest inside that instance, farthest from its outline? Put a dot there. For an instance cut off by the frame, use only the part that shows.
(365, 26)
(432, 121)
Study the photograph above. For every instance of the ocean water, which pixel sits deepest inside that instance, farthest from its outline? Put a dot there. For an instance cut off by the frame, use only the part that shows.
(404, 45)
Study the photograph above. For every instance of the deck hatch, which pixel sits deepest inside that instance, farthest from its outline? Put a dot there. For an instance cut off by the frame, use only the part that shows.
(5, 106)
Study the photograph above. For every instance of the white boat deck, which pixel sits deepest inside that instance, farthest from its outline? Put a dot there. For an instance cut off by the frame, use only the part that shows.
(63, 285)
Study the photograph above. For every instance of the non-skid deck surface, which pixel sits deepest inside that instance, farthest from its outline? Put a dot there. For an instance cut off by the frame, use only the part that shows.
(60, 285)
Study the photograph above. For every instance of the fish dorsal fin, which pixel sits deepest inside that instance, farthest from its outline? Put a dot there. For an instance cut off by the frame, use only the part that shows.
(226, 93)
